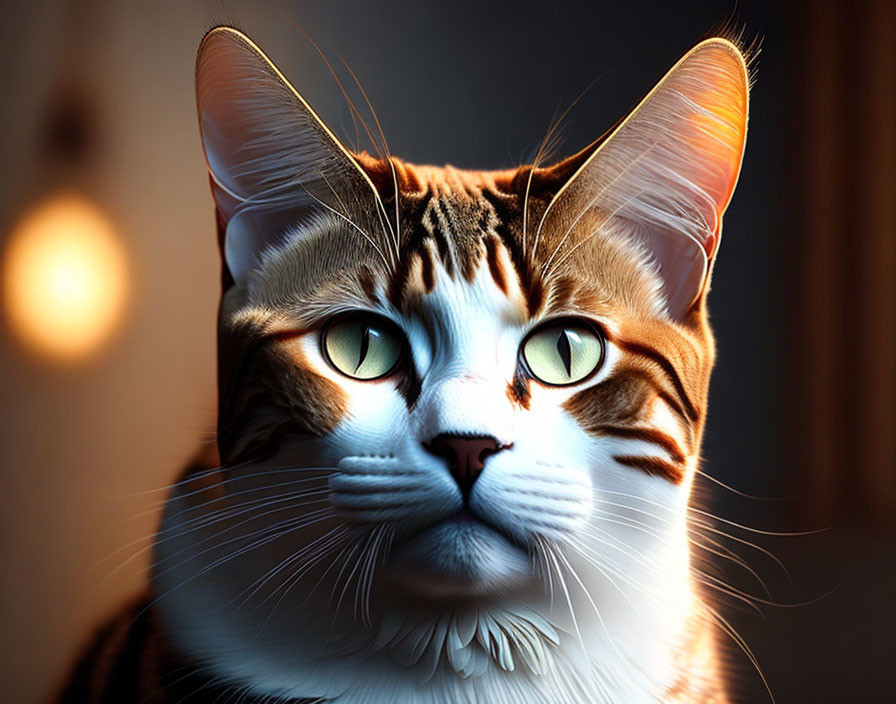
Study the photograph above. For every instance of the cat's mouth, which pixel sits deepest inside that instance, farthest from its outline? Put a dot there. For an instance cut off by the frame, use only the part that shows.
(466, 517)
(462, 554)
(461, 516)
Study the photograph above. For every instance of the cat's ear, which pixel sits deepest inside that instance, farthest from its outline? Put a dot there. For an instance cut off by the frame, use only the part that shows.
(667, 172)
(273, 162)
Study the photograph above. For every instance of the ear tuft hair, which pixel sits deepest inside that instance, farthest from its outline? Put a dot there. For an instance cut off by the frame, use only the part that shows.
(667, 172)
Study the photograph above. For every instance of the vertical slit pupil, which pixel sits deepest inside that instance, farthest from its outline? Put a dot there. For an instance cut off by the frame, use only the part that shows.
(364, 347)
(565, 351)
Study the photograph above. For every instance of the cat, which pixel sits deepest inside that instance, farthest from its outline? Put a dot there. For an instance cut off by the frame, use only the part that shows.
(460, 415)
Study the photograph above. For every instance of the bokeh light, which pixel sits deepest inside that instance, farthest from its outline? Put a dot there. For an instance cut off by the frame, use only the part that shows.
(65, 279)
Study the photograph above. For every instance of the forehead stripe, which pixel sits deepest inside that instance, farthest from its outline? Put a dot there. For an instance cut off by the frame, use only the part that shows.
(494, 264)
(427, 269)
(367, 281)
(530, 282)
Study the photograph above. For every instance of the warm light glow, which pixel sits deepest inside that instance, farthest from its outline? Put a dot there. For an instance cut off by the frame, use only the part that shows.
(65, 278)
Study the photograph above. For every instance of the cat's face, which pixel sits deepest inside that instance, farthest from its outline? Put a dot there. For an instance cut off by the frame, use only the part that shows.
(444, 387)
(468, 402)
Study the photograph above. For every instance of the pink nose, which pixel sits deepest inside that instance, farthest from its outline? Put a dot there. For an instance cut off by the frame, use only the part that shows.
(466, 456)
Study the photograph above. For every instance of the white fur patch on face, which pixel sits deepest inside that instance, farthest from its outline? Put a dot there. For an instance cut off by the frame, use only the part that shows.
(360, 547)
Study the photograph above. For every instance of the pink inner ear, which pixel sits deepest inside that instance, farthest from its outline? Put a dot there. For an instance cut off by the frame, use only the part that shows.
(273, 163)
(683, 267)
(234, 91)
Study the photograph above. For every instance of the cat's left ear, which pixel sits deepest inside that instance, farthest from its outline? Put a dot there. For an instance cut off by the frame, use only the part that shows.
(667, 172)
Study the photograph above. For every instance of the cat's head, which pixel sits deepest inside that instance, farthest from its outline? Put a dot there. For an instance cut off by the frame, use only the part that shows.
(479, 376)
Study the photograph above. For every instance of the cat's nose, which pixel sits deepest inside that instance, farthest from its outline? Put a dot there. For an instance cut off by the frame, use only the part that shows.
(466, 456)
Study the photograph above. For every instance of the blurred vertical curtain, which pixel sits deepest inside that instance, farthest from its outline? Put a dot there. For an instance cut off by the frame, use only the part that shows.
(842, 258)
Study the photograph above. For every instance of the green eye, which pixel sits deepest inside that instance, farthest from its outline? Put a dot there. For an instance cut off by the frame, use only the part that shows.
(363, 347)
(562, 353)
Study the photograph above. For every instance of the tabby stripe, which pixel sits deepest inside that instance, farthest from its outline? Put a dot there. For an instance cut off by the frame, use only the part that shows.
(396, 283)
(670, 401)
(530, 284)
(125, 677)
(281, 336)
(653, 466)
(129, 661)
(674, 404)
(648, 435)
(234, 362)
(414, 243)
(104, 664)
(494, 264)
(562, 291)
(667, 367)
(367, 280)
(518, 391)
(238, 360)
(427, 269)
(441, 239)
(410, 386)
(78, 689)
(260, 443)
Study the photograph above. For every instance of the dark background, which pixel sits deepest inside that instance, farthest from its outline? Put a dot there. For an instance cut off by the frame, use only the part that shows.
(803, 304)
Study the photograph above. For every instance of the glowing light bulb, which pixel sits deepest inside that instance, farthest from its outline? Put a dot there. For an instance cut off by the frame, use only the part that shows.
(65, 279)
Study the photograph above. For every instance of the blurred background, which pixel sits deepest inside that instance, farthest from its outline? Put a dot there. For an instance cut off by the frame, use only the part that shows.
(110, 284)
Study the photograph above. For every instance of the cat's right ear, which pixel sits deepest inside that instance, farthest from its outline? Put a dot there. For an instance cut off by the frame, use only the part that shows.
(273, 162)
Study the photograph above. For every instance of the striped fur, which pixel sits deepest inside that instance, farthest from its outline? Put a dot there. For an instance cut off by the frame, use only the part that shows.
(131, 660)
(324, 559)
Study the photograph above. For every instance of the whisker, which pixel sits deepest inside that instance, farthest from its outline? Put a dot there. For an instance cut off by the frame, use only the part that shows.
(622, 576)
(353, 109)
(298, 522)
(348, 579)
(365, 577)
(159, 537)
(229, 496)
(356, 114)
(726, 554)
(741, 493)
(336, 538)
(376, 120)
(786, 534)
(584, 589)
(193, 476)
(741, 643)
(228, 512)
(715, 582)
(625, 549)
(543, 149)
(257, 585)
(220, 561)
(351, 222)
(591, 558)
(549, 552)
(336, 560)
